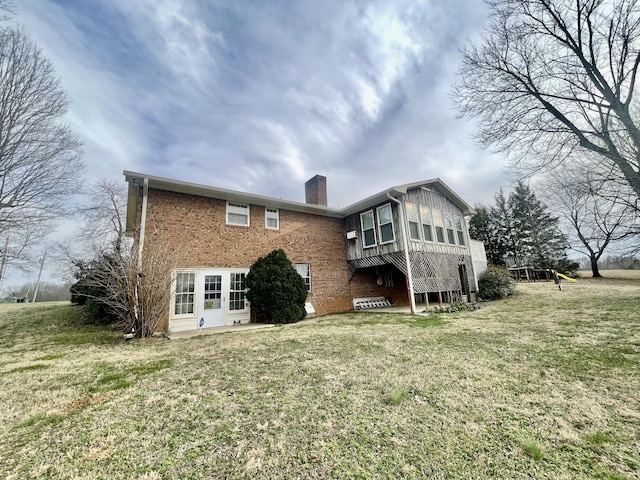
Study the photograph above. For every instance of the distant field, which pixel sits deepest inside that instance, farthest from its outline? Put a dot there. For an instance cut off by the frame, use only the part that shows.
(542, 385)
(620, 274)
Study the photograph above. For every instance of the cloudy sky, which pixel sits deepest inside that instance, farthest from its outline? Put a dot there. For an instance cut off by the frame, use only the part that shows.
(261, 95)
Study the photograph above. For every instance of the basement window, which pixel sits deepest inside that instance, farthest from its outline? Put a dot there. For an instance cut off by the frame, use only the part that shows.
(385, 224)
(185, 289)
(237, 214)
(368, 229)
(304, 270)
(237, 291)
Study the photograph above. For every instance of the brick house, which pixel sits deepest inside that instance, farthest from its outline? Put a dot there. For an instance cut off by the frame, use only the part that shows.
(361, 251)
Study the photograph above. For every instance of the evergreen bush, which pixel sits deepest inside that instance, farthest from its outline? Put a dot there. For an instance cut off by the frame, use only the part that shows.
(496, 283)
(275, 289)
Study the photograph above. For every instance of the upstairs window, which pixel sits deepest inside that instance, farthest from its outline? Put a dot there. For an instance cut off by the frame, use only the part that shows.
(385, 224)
(451, 237)
(368, 229)
(237, 291)
(237, 214)
(304, 270)
(271, 218)
(413, 220)
(437, 221)
(459, 230)
(427, 229)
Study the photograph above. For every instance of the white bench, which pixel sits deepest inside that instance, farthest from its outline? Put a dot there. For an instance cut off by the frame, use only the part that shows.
(370, 302)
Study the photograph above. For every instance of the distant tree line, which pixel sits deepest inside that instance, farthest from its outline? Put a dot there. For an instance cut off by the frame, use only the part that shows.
(47, 291)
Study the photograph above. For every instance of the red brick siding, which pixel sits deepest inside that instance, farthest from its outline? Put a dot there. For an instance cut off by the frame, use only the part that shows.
(363, 284)
(196, 231)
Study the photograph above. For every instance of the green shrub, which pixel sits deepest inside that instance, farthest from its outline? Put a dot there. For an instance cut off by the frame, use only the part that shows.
(495, 283)
(275, 289)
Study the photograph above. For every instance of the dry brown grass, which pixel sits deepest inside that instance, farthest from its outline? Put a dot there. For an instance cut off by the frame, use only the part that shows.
(542, 385)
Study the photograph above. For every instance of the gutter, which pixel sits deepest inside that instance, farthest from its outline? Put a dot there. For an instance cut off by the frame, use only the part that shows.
(405, 246)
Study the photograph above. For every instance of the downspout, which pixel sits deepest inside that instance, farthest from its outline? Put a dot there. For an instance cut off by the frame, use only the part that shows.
(143, 221)
(143, 225)
(405, 246)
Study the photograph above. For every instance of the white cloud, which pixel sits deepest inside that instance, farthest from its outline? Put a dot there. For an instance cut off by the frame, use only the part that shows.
(259, 96)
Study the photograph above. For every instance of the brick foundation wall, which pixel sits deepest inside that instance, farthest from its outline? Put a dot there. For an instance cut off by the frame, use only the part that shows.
(364, 284)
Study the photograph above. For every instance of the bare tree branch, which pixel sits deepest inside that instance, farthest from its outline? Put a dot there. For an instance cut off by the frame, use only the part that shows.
(40, 162)
(552, 78)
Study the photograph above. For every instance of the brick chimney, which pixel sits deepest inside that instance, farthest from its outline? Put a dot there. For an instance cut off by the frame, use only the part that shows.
(315, 190)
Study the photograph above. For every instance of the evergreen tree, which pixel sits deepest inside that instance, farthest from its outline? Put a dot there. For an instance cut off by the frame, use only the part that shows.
(506, 239)
(535, 230)
(518, 230)
(276, 289)
(482, 227)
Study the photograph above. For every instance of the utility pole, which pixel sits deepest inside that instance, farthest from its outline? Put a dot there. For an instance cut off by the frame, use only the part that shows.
(35, 294)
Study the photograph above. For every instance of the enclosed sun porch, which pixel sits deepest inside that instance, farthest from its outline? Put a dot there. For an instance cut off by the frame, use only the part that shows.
(408, 247)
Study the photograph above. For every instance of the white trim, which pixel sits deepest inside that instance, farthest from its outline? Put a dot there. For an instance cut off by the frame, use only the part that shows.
(393, 228)
(373, 227)
(242, 209)
(268, 210)
(429, 222)
(307, 276)
(417, 222)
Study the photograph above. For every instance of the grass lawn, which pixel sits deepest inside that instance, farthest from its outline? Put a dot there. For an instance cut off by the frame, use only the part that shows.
(543, 385)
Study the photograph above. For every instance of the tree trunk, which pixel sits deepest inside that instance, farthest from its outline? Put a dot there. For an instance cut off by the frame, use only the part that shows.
(594, 267)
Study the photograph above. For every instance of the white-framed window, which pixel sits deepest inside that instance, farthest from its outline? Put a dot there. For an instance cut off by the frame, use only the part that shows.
(451, 234)
(271, 218)
(413, 221)
(439, 225)
(368, 229)
(237, 291)
(427, 229)
(385, 224)
(304, 270)
(185, 293)
(459, 230)
(237, 214)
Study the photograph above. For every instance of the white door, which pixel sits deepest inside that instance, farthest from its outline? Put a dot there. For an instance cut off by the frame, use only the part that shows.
(212, 306)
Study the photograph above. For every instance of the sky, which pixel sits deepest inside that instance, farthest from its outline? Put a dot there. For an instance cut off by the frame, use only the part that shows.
(259, 96)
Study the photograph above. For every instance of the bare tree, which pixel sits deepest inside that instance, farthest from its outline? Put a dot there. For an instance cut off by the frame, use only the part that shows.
(552, 78)
(104, 215)
(136, 296)
(598, 217)
(40, 162)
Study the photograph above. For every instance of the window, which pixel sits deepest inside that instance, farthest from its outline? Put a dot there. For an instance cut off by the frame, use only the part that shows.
(414, 222)
(271, 218)
(212, 292)
(185, 288)
(237, 214)
(451, 236)
(437, 221)
(385, 224)
(237, 291)
(459, 230)
(368, 230)
(425, 216)
(304, 270)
